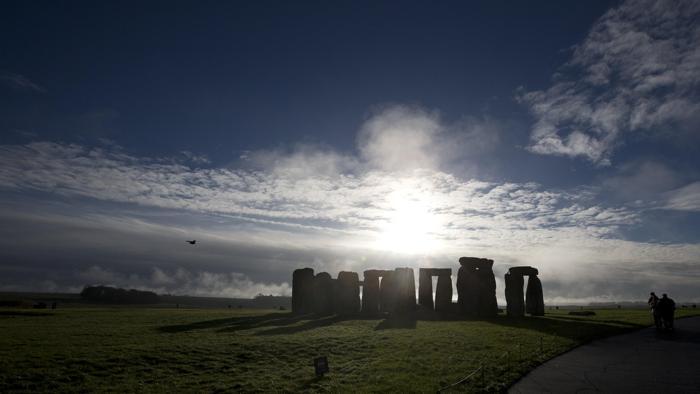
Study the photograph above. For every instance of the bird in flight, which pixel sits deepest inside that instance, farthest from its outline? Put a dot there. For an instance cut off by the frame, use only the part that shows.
(194, 241)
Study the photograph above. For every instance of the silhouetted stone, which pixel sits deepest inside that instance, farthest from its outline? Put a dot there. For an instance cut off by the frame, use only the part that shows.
(514, 295)
(387, 294)
(443, 293)
(404, 286)
(370, 292)
(425, 288)
(534, 299)
(476, 262)
(303, 290)
(523, 270)
(467, 291)
(347, 295)
(488, 305)
(476, 287)
(323, 293)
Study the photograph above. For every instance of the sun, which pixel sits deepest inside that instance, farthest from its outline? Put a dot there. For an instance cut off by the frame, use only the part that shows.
(411, 226)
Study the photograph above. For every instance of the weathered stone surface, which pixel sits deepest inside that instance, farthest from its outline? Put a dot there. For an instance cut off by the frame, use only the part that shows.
(303, 290)
(370, 292)
(404, 287)
(323, 293)
(443, 293)
(534, 299)
(514, 295)
(523, 270)
(425, 288)
(476, 287)
(347, 293)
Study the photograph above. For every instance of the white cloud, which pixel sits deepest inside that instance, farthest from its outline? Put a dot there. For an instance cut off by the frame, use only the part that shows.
(638, 69)
(686, 198)
(641, 181)
(403, 138)
(125, 218)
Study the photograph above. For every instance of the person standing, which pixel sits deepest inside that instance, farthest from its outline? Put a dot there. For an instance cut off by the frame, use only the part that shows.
(655, 312)
(666, 306)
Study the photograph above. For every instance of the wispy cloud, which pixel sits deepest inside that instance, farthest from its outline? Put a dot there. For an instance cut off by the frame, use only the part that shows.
(638, 69)
(686, 198)
(306, 206)
(19, 81)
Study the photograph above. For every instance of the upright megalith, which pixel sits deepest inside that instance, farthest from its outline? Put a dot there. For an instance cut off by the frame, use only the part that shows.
(425, 288)
(323, 293)
(514, 295)
(347, 293)
(387, 293)
(533, 302)
(443, 291)
(303, 290)
(476, 287)
(370, 292)
(404, 286)
(534, 299)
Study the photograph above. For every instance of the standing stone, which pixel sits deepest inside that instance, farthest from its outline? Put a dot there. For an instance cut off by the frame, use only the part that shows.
(467, 291)
(443, 292)
(347, 295)
(534, 299)
(425, 288)
(303, 290)
(323, 293)
(405, 290)
(524, 270)
(370, 292)
(514, 295)
(386, 292)
(476, 287)
(488, 305)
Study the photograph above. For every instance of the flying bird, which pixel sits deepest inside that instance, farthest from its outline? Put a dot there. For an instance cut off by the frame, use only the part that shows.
(194, 241)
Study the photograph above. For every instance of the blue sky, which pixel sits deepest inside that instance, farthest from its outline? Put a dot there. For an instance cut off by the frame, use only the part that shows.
(349, 136)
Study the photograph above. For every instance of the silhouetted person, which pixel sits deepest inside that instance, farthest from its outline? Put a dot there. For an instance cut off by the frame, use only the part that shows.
(666, 306)
(655, 312)
(194, 241)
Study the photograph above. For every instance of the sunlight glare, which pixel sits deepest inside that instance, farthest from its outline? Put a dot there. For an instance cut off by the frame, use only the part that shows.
(411, 226)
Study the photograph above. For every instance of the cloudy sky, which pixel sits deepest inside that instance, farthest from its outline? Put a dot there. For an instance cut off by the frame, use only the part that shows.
(349, 136)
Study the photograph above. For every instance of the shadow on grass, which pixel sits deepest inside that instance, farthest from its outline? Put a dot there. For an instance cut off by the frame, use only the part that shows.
(288, 323)
(238, 323)
(308, 325)
(398, 322)
(24, 313)
(605, 321)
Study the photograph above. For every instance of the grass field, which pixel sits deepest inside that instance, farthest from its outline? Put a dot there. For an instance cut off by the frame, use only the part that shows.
(180, 350)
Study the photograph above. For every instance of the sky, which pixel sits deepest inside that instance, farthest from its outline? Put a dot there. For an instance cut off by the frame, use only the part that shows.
(350, 136)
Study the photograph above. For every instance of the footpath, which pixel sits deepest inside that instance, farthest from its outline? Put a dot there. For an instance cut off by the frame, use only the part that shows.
(639, 362)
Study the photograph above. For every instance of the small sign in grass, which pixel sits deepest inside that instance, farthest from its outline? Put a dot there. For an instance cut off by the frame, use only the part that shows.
(321, 365)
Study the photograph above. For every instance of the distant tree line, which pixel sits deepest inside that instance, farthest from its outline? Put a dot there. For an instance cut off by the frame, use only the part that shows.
(113, 295)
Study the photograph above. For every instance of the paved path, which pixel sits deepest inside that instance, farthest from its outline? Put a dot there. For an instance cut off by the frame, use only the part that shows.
(639, 362)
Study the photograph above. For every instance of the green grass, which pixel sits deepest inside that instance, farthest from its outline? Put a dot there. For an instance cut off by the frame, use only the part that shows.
(168, 350)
